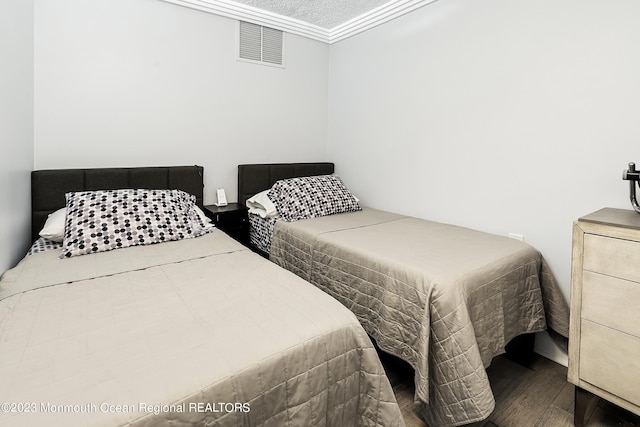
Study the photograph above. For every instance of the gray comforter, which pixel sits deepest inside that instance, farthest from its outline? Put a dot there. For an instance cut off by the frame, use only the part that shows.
(444, 298)
(194, 332)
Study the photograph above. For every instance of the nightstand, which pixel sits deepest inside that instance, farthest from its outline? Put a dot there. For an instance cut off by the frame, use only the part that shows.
(232, 219)
(604, 336)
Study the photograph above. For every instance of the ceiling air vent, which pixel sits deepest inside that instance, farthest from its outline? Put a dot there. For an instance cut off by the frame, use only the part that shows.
(260, 44)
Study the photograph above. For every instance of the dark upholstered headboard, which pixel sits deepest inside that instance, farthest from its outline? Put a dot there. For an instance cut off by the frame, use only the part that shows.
(48, 187)
(255, 178)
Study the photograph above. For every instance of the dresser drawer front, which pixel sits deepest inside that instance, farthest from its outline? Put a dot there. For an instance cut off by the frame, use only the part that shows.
(611, 302)
(609, 360)
(613, 257)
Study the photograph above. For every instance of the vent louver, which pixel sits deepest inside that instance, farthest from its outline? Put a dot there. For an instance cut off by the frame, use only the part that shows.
(260, 44)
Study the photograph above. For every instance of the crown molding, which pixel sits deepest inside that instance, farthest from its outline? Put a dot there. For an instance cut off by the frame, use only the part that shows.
(378, 16)
(230, 9)
(242, 12)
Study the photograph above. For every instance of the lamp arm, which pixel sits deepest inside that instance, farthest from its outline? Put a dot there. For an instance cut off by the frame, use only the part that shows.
(632, 176)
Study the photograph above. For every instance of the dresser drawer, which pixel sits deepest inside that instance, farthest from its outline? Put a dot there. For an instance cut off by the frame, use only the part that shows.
(613, 257)
(609, 360)
(611, 302)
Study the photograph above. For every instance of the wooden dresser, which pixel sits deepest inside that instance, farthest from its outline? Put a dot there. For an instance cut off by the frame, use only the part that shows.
(604, 338)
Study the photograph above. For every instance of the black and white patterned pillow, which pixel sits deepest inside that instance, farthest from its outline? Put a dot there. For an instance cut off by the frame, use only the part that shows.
(43, 245)
(312, 197)
(103, 220)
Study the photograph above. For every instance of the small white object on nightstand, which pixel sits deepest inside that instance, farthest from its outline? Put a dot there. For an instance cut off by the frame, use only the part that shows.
(222, 197)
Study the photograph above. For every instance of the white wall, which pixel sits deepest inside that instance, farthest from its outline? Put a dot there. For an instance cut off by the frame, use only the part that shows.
(16, 128)
(144, 82)
(505, 116)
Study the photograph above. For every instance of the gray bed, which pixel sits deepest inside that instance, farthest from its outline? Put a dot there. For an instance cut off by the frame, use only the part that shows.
(198, 331)
(444, 298)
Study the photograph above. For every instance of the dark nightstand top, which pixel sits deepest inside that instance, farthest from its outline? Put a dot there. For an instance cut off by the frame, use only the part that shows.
(231, 207)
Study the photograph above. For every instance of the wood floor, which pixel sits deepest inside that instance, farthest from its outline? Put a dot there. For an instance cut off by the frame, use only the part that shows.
(534, 396)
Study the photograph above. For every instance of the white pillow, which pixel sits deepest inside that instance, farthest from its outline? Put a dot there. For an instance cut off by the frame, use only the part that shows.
(54, 226)
(261, 205)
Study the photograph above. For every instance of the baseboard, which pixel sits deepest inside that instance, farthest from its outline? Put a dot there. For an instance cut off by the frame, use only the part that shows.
(545, 346)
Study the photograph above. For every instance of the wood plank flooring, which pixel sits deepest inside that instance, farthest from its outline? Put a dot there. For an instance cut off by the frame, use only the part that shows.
(534, 396)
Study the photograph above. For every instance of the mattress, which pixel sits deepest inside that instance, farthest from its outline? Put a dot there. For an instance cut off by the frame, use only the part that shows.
(193, 332)
(444, 298)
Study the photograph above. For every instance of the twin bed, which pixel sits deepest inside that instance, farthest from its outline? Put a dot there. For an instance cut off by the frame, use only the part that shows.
(445, 299)
(190, 331)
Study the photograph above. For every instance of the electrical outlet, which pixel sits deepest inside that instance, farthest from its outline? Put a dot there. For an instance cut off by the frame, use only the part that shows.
(517, 236)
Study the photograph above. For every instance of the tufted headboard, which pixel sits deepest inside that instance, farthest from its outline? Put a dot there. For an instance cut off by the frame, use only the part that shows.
(255, 178)
(48, 187)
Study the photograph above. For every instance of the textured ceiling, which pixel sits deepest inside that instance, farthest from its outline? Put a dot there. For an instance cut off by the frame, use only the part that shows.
(328, 21)
(323, 13)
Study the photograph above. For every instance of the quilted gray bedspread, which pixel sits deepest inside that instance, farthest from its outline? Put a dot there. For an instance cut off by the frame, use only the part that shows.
(444, 298)
(194, 332)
